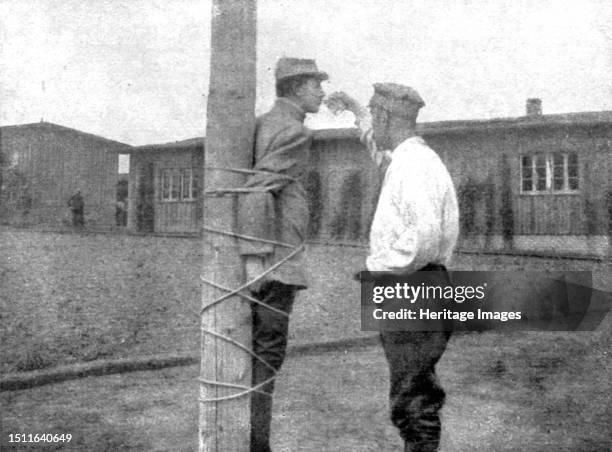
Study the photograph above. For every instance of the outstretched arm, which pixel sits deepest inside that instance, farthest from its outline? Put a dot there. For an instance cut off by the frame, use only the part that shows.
(340, 101)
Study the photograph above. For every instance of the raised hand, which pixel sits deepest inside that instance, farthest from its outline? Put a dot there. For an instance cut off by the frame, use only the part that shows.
(339, 101)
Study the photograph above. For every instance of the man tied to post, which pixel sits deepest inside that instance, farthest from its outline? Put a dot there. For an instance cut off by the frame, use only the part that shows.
(280, 214)
(414, 230)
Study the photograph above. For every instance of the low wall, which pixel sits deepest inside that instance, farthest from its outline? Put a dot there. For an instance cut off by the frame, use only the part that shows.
(98, 216)
(588, 245)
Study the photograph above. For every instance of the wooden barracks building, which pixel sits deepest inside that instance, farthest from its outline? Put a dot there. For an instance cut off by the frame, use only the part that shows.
(164, 187)
(533, 182)
(165, 183)
(43, 164)
(536, 182)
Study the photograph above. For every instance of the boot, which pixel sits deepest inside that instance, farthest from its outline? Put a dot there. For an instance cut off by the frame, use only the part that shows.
(261, 409)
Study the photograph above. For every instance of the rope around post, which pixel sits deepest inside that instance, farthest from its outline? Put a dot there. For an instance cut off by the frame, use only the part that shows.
(240, 291)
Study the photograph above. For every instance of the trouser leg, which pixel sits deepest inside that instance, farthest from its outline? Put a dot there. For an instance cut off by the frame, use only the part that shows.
(415, 395)
(78, 219)
(270, 330)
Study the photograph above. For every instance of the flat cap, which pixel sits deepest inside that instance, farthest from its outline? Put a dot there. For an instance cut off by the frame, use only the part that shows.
(398, 99)
(292, 67)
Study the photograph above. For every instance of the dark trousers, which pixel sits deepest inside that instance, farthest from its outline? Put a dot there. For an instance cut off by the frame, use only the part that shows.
(270, 330)
(78, 219)
(415, 395)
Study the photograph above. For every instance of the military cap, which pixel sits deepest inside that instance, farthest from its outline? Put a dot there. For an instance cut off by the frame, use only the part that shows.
(292, 67)
(397, 99)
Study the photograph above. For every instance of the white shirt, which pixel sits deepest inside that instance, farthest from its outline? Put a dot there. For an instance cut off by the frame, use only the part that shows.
(417, 220)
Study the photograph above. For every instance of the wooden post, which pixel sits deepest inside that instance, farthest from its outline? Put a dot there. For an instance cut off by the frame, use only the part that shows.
(225, 425)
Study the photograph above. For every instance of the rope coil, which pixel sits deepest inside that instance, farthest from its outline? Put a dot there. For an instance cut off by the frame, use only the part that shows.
(240, 291)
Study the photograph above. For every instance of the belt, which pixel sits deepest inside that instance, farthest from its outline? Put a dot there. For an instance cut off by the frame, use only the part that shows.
(433, 268)
(365, 275)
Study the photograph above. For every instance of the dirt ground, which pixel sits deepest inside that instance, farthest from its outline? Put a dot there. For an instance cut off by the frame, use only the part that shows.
(70, 298)
(504, 393)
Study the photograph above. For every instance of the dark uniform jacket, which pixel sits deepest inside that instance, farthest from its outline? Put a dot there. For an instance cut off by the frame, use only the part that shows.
(282, 145)
(76, 203)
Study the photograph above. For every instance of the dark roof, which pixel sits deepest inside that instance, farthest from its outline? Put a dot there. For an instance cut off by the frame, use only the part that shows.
(433, 128)
(522, 122)
(191, 143)
(475, 125)
(198, 142)
(43, 125)
(336, 134)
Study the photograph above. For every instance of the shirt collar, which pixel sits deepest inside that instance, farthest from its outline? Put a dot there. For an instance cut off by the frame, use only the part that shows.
(408, 141)
(291, 108)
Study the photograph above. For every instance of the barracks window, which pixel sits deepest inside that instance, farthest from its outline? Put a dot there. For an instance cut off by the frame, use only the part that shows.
(178, 184)
(555, 172)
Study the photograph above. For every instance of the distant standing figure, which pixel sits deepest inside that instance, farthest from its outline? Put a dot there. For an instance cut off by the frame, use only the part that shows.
(77, 205)
(26, 205)
(121, 213)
